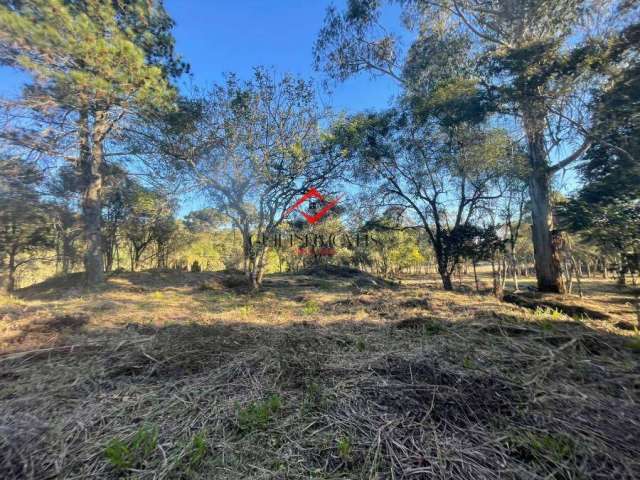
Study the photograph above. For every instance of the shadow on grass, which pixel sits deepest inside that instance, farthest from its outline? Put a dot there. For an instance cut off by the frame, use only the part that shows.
(505, 394)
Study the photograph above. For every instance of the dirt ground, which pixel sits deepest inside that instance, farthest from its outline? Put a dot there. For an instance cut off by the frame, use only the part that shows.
(186, 375)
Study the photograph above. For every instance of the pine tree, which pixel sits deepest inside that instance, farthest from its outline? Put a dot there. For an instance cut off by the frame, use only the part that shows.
(94, 63)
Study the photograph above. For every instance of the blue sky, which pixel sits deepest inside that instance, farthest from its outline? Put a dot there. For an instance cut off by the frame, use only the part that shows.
(221, 36)
(218, 36)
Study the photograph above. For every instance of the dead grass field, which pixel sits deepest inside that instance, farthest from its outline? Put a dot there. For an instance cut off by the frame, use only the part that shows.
(163, 375)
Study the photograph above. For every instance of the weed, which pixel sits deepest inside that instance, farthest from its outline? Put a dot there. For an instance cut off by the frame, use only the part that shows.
(344, 448)
(257, 415)
(158, 295)
(197, 449)
(546, 316)
(133, 453)
(558, 448)
(634, 344)
(313, 398)
(324, 285)
(310, 308)
(431, 327)
(360, 345)
(467, 362)
(245, 311)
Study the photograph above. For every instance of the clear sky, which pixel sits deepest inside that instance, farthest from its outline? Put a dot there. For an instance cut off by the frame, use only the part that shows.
(221, 36)
(217, 36)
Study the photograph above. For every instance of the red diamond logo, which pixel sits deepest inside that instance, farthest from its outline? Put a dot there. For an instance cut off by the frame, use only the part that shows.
(312, 194)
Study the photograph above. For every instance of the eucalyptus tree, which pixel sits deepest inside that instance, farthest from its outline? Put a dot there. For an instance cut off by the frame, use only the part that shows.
(92, 63)
(534, 60)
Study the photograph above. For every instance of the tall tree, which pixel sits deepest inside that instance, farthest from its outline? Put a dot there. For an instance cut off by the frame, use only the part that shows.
(606, 209)
(93, 63)
(441, 175)
(534, 58)
(252, 148)
(25, 226)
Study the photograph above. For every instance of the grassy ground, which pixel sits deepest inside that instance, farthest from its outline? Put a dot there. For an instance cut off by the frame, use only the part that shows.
(186, 376)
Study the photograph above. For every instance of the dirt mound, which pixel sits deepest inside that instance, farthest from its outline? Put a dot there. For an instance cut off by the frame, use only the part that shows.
(533, 301)
(359, 278)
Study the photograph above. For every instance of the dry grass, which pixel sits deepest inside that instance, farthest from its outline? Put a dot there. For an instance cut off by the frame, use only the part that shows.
(185, 376)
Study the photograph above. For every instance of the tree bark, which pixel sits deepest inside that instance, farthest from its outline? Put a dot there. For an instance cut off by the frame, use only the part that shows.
(91, 156)
(11, 280)
(475, 275)
(546, 255)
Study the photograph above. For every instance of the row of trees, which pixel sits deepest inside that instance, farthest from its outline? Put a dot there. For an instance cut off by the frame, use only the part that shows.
(495, 98)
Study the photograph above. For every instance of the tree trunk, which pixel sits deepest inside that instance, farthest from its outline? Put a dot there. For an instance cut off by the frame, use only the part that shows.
(67, 252)
(498, 291)
(621, 272)
(514, 273)
(11, 280)
(257, 270)
(446, 281)
(547, 260)
(90, 162)
(475, 275)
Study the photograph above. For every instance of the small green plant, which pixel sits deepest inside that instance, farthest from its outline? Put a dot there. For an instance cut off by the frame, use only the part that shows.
(197, 449)
(324, 285)
(133, 453)
(257, 415)
(360, 345)
(431, 327)
(344, 448)
(467, 362)
(546, 316)
(245, 311)
(310, 308)
(313, 397)
(545, 446)
(634, 344)
(158, 295)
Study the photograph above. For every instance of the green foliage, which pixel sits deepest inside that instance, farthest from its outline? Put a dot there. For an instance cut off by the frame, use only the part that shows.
(314, 398)
(345, 449)
(634, 344)
(431, 327)
(25, 221)
(547, 314)
(258, 414)
(542, 447)
(132, 453)
(197, 449)
(83, 54)
(467, 362)
(311, 308)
